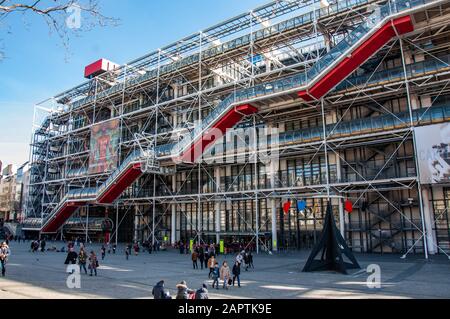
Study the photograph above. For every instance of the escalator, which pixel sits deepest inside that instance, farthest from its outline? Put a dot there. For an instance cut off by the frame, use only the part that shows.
(388, 21)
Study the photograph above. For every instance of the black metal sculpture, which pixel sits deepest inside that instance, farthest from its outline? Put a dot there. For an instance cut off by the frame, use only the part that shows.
(333, 249)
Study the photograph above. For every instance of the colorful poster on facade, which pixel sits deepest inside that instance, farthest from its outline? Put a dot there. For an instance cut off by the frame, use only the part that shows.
(433, 152)
(104, 145)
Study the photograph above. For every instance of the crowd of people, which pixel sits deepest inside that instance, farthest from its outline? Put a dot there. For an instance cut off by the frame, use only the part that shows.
(220, 275)
(81, 258)
(202, 256)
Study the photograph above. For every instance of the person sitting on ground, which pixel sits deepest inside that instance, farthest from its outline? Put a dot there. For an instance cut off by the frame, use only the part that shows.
(183, 291)
(202, 293)
(159, 291)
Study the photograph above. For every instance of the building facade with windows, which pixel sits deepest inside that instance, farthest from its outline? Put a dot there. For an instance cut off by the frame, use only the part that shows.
(220, 135)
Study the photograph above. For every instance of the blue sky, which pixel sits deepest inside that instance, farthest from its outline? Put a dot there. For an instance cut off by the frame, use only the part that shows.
(37, 67)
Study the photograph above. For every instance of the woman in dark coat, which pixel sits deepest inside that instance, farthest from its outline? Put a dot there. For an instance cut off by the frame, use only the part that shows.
(159, 291)
(71, 257)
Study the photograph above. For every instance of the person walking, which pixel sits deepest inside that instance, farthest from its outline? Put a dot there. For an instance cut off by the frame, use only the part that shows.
(4, 254)
(160, 292)
(103, 252)
(43, 243)
(183, 290)
(216, 275)
(114, 249)
(212, 250)
(201, 257)
(240, 257)
(211, 265)
(237, 273)
(136, 249)
(93, 263)
(225, 274)
(127, 253)
(194, 259)
(82, 258)
(202, 293)
(246, 261)
(181, 248)
(206, 256)
(71, 258)
(250, 260)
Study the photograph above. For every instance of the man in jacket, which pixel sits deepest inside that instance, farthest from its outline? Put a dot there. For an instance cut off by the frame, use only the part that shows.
(201, 256)
(211, 265)
(159, 291)
(216, 275)
(236, 273)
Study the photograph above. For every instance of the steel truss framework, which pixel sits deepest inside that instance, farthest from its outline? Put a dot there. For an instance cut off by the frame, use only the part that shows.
(159, 97)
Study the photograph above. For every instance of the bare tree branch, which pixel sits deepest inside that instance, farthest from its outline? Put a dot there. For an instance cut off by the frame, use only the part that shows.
(66, 18)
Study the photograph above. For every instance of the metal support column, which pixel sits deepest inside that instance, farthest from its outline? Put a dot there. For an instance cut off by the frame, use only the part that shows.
(274, 225)
(217, 205)
(87, 224)
(419, 186)
(117, 224)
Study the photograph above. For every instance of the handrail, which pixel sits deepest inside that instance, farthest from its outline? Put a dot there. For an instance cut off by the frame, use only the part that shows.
(322, 66)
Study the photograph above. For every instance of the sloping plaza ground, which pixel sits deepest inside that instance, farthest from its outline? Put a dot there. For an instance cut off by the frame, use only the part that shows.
(42, 275)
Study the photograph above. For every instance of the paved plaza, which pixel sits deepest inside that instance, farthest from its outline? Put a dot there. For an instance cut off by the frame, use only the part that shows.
(42, 275)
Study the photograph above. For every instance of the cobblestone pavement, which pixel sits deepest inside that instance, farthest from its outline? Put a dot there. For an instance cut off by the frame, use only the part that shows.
(43, 275)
